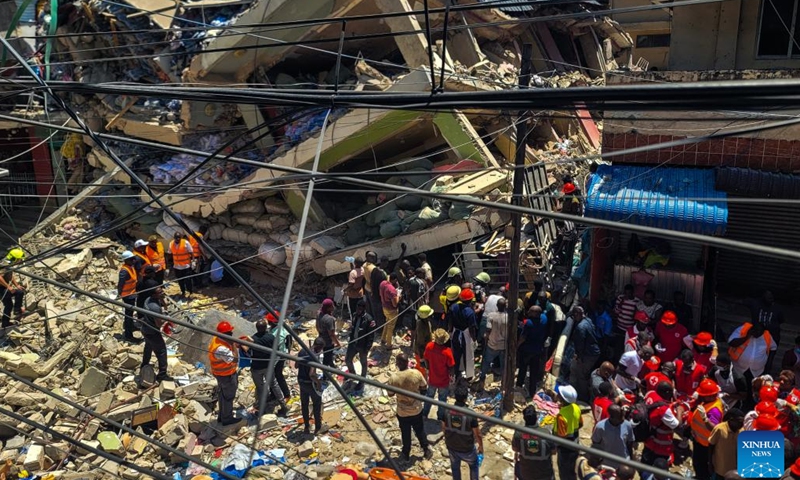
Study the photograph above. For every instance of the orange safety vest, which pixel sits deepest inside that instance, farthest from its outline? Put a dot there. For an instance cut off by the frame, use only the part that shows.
(220, 368)
(736, 353)
(180, 254)
(156, 256)
(700, 431)
(144, 259)
(129, 287)
(195, 245)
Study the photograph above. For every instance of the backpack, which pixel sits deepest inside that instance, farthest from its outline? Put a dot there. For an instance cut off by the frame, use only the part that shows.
(640, 417)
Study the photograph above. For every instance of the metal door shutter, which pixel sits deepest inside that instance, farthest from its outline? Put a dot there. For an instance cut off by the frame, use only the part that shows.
(685, 255)
(29, 16)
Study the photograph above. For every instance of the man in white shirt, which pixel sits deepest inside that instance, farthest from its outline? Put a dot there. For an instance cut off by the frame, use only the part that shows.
(750, 345)
(630, 364)
(496, 327)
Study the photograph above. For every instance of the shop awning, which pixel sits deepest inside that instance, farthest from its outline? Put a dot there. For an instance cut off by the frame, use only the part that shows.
(681, 199)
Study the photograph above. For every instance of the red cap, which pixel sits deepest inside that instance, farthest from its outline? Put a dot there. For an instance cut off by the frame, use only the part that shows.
(766, 408)
(669, 318)
(707, 388)
(224, 327)
(466, 295)
(653, 363)
(768, 393)
(703, 339)
(568, 188)
(641, 316)
(766, 422)
(795, 468)
(271, 318)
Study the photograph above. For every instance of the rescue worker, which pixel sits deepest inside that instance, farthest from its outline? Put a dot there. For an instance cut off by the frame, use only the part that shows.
(450, 297)
(707, 414)
(12, 292)
(663, 422)
(461, 433)
(688, 374)
(126, 289)
(223, 358)
(151, 333)
(142, 260)
(454, 279)
(421, 335)
(704, 348)
(532, 454)
(181, 253)
(198, 257)
(463, 329)
(567, 425)
(155, 253)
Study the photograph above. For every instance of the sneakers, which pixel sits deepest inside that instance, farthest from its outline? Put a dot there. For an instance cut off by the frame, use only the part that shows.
(131, 339)
(163, 378)
(283, 411)
(428, 453)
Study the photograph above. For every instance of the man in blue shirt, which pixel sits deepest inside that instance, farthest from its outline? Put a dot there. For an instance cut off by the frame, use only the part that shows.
(587, 352)
(531, 346)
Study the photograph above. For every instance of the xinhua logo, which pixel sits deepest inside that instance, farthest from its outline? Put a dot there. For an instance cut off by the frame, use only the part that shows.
(760, 454)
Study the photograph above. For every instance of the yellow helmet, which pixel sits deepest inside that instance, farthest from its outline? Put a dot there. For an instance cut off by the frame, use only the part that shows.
(452, 293)
(424, 311)
(15, 255)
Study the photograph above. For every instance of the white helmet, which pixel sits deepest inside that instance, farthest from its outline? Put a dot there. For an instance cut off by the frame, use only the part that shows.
(140, 243)
(568, 393)
(126, 255)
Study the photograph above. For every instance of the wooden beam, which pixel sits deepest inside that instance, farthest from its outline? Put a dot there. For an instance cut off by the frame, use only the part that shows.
(413, 47)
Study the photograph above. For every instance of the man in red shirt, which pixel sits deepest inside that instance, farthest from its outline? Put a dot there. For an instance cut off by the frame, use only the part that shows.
(603, 401)
(688, 375)
(440, 363)
(665, 373)
(669, 335)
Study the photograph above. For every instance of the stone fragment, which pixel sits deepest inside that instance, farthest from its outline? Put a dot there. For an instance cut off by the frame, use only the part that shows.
(305, 449)
(15, 443)
(167, 390)
(104, 402)
(197, 416)
(174, 430)
(110, 442)
(34, 459)
(128, 361)
(93, 382)
(25, 399)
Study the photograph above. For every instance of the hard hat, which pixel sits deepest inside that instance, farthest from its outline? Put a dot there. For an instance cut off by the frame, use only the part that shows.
(126, 255)
(653, 363)
(424, 311)
(453, 272)
(707, 388)
(703, 339)
(641, 316)
(224, 327)
(766, 422)
(271, 318)
(766, 408)
(795, 468)
(768, 393)
(483, 277)
(15, 255)
(452, 293)
(568, 188)
(440, 336)
(669, 318)
(568, 393)
(140, 243)
(466, 295)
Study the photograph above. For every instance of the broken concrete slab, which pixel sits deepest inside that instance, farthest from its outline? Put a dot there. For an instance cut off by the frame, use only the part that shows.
(72, 266)
(110, 442)
(200, 341)
(305, 449)
(93, 382)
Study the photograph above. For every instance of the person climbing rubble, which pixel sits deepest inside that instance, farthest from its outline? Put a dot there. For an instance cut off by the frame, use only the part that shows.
(223, 358)
(361, 337)
(151, 333)
(259, 368)
(310, 388)
(126, 289)
(181, 252)
(12, 292)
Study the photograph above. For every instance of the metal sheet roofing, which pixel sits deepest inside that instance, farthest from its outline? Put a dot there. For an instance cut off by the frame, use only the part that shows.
(757, 183)
(680, 199)
(520, 7)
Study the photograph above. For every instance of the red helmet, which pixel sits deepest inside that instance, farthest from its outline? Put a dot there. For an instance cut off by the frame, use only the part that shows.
(271, 318)
(641, 316)
(766, 408)
(467, 295)
(224, 327)
(768, 393)
(708, 388)
(568, 188)
(766, 422)
(653, 363)
(669, 318)
(703, 339)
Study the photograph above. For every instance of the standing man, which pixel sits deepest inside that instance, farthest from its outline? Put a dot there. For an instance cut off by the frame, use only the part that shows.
(426, 267)
(604, 373)
(722, 442)
(284, 346)
(614, 435)
(567, 426)
(361, 337)
(409, 410)
(259, 369)
(496, 326)
(663, 422)
(369, 265)
(377, 276)
(649, 306)
(587, 352)
(126, 289)
(463, 330)
(625, 308)
(532, 455)
(461, 433)
(198, 257)
(706, 416)
(421, 333)
(440, 363)
(181, 253)
(415, 291)
(530, 348)
(142, 261)
(12, 293)
(390, 299)
(146, 286)
(355, 286)
(630, 366)
(765, 312)
(669, 335)
(223, 358)
(749, 348)
(151, 332)
(155, 253)
(310, 387)
(732, 384)
(326, 330)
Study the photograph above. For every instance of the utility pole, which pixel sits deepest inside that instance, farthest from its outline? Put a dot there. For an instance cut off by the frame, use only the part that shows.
(516, 226)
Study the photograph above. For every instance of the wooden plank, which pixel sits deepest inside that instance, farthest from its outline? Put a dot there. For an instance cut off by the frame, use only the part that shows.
(161, 11)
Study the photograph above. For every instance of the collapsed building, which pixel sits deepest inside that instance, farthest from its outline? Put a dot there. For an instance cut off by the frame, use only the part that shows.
(253, 213)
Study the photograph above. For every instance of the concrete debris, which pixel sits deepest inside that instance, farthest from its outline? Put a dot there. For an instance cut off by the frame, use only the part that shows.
(93, 382)
(305, 450)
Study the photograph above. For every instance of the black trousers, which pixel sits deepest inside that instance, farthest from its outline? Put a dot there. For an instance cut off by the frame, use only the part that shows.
(160, 277)
(11, 302)
(363, 355)
(154, 343)
(529, 362)
(184, 280)
(327, 356)
(308, 394)
(199, 280)
(353, 303)
(700, 461)
(128, 327)
(418, 425)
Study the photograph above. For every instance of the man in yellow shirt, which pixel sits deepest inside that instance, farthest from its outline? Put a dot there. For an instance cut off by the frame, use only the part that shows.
(568, 424)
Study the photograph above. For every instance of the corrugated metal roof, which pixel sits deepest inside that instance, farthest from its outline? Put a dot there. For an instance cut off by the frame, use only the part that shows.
(681, 199)
(519, 7)
(757, 183)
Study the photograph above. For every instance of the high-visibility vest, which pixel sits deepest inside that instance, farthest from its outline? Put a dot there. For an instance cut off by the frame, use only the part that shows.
(220, 368)
(156, 256)
(572, 415)
(195, 245)
(736, 353)
(145, 261)
(129, 287)
(180, 254)
(700, 430)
